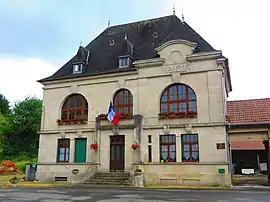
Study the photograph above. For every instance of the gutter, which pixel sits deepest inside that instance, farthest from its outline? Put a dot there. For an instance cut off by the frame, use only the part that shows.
(247, 124)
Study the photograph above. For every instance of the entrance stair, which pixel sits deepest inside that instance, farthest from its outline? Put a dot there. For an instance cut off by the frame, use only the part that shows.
(112, 179)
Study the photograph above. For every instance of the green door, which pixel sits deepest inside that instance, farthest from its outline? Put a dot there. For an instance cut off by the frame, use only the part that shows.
(80, 150)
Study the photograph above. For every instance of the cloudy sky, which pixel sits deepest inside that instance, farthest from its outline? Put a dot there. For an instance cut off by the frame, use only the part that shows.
(38, 36)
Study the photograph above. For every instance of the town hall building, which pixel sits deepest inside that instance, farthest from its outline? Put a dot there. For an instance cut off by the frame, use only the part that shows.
(170, 87)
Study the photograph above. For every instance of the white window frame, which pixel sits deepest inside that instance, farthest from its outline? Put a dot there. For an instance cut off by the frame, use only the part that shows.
(77, 68)
(124, 62)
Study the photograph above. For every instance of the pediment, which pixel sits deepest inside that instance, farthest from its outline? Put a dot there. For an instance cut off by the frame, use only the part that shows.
(175, 51)
(177, 41)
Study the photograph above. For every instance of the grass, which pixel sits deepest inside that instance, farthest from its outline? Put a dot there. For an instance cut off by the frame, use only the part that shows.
(4, 179)
(4, 183)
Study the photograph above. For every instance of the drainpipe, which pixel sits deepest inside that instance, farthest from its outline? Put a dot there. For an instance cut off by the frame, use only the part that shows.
(268, 166)
(267, 148)
(138, 134)
(229, 155)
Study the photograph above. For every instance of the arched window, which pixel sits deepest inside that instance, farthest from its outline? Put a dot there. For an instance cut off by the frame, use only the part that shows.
(75, 108)
(123, 101)
(178, 98)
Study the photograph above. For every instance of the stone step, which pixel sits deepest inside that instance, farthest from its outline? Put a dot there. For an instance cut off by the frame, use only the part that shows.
(108, 183)
(102, 185)
(111, 177)
(102, 180)
(112, 174)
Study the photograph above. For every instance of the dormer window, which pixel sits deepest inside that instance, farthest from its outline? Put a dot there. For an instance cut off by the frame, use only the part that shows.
(77, 68)
(124, 61)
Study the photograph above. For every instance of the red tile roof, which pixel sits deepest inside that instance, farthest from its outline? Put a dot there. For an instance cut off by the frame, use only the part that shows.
(249, 111)
(247, 145)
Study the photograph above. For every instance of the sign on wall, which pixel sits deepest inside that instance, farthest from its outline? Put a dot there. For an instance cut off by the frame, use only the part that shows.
(220, 145)
(184, 67)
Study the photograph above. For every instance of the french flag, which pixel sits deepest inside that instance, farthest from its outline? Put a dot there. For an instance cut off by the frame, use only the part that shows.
(112, 116)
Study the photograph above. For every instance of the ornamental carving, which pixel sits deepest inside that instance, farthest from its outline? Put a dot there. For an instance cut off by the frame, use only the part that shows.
(115, 130)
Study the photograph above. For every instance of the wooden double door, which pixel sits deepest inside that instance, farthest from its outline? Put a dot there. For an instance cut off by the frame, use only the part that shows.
(117, 153)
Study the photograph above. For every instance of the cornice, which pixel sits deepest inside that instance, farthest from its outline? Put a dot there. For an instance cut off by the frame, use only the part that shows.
(65, 130)
(149, 62)
(111, 74)
(204, 56)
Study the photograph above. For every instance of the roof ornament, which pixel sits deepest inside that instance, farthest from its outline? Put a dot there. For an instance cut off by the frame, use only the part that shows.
(130, 46)
(81, 43)
(183, 18)
(173, 9)
(109, 23)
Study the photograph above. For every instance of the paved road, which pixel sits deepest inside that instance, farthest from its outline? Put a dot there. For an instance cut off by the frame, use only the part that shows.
(130, 195)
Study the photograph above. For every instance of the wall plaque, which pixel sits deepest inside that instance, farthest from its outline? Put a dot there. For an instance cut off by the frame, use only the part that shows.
(184, 67)
(220, 145)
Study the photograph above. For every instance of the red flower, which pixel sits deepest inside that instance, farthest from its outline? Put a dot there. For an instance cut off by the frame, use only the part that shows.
(135, 146)
(93, 146)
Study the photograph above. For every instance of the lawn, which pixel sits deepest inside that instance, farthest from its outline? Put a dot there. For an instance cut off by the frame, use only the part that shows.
(4, 182)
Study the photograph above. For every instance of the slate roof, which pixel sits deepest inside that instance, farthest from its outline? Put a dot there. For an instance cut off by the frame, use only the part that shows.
(103, 57)
(249, 111)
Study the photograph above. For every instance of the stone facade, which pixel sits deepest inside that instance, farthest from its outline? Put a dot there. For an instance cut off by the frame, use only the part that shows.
(202, 72)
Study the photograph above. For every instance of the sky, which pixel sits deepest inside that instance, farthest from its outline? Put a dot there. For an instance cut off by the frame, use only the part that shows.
(38, 36)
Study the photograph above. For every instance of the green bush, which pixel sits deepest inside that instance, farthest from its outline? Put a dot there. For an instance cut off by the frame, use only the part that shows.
(22, 163)
(22, 166)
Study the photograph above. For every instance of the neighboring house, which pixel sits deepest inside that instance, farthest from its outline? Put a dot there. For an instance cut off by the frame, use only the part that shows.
(249, 129)
(171, 87)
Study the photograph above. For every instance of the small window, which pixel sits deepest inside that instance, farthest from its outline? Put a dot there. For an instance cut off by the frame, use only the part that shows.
(63, 150)
(77, 68)
(167, 148)
(149, 153)
(149, 139)
(123, 62)
(190, 148)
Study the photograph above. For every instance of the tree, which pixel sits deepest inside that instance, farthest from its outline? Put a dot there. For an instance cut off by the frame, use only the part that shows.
(24, 138)
(4, 105)
(27, 114)
(5, 126)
